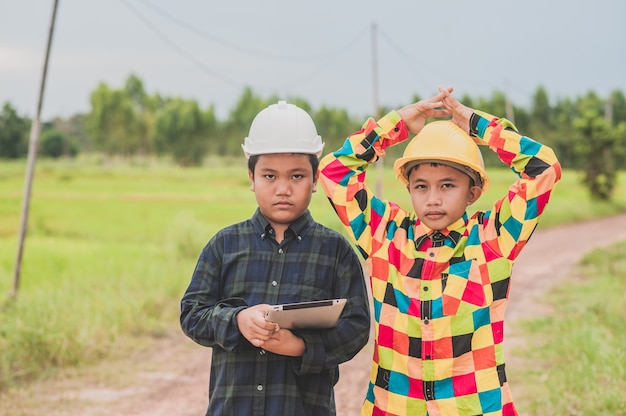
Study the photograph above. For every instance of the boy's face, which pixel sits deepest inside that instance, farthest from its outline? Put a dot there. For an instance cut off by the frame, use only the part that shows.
(283, 184)
(440, 194)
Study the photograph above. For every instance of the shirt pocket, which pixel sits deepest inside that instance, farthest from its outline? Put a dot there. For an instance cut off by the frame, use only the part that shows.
(466, 288)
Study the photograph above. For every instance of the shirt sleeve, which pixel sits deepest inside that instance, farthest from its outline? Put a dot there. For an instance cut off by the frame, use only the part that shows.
(327, 349)
(513, 218)
(204, 317)
(342, 176)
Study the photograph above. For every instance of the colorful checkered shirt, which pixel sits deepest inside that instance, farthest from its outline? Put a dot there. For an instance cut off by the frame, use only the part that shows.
(439, 296)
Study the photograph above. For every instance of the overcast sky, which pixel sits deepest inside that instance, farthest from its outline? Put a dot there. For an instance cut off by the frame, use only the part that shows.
(320, 50)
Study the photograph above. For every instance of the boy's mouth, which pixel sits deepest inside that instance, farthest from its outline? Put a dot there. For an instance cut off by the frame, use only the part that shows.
(435, 214)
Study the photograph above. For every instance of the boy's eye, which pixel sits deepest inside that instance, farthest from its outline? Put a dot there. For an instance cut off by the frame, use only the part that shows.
(298, 176)
(269, 176)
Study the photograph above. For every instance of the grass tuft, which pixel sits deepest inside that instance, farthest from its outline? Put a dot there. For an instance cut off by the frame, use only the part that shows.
(582, 346)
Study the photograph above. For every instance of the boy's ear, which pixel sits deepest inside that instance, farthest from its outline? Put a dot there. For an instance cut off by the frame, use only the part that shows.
(474, 193)
(251, 176)
(315, 178)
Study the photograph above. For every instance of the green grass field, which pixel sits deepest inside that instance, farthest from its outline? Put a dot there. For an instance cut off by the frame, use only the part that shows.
(111, 247)
(578, 356)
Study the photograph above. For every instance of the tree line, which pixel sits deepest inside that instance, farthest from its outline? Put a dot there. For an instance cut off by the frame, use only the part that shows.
(587, 132)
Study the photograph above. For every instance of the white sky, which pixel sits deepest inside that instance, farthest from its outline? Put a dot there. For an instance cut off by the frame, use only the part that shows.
(319, 50)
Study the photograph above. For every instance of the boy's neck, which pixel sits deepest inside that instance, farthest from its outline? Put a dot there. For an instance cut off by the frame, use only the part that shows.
(279, 233)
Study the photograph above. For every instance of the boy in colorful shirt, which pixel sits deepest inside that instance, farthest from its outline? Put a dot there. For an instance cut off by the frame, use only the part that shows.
(280, 255)
(439, 278)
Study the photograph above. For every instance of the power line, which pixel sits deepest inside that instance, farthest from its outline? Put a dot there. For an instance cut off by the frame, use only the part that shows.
(435, 70)
(179, 50)
(243, 49)
(301, 80)
(327, 63)
(406, 56)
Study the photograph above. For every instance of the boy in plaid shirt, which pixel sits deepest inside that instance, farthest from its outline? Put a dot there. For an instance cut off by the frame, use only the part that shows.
(279, 255)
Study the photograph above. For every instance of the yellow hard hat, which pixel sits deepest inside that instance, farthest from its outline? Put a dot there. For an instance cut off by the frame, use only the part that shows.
(443, 142)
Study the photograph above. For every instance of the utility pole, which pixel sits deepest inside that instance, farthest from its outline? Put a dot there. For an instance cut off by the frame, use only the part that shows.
(380, 168)
(35, 131)
(608, 110)
(510, 114)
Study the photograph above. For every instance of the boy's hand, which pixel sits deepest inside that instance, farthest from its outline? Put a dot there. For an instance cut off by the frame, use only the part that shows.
(284, 342)
(416, 114)
(253, 326)
(460, 114)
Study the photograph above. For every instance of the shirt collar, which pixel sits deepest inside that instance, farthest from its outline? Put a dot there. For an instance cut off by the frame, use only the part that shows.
(296, 228)
(453, 232)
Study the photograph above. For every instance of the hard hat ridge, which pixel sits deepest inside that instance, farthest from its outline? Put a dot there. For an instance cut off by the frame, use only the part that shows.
(282, 128)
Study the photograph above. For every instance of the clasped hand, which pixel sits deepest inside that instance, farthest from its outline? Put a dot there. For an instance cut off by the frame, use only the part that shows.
(268, 335)
(438, 106)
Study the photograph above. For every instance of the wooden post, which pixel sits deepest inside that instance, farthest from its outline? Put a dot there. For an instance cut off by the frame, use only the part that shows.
(35, 130)
(380, 163)
(510, 113)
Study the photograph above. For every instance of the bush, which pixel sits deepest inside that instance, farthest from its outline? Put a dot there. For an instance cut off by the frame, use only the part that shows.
(56, 144)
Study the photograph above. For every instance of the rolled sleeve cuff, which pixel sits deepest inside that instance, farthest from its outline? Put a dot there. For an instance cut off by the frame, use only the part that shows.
(393, 129)
(313, 359)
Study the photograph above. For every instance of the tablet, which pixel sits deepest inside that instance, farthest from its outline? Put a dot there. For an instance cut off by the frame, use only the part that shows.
(313, 314)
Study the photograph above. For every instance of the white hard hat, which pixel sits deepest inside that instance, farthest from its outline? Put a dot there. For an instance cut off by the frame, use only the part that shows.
(282, 128)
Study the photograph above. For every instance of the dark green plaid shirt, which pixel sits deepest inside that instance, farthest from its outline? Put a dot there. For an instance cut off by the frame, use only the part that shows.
(244, 265)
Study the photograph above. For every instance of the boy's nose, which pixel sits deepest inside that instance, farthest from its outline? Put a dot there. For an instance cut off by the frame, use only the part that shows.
(434, 198)
(283, 188)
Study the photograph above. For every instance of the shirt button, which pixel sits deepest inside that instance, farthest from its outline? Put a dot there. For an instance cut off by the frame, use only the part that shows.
(396, 129)
(262, 352)
(274, 283)
(259, 387)
(431, 254)
(280, 251)
(425, 288)
(428, 358)
(426, 321)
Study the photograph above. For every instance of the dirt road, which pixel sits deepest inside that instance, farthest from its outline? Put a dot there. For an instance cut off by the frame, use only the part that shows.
(171, 377)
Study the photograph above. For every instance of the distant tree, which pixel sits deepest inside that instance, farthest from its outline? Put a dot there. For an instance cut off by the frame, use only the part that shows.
(590, 104)
(559, 133)
(598, 147)
(144, 108)
(111, 122)
(13, 133)
(55, 144)
(240, 118)
(334, 125)
(121, 121)
(551, 125)
(183, 131)
(522, 119)
(300, 102)
(136, 92)
(541, 112)
(74, 128)
(495, 105)
(617, 103)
